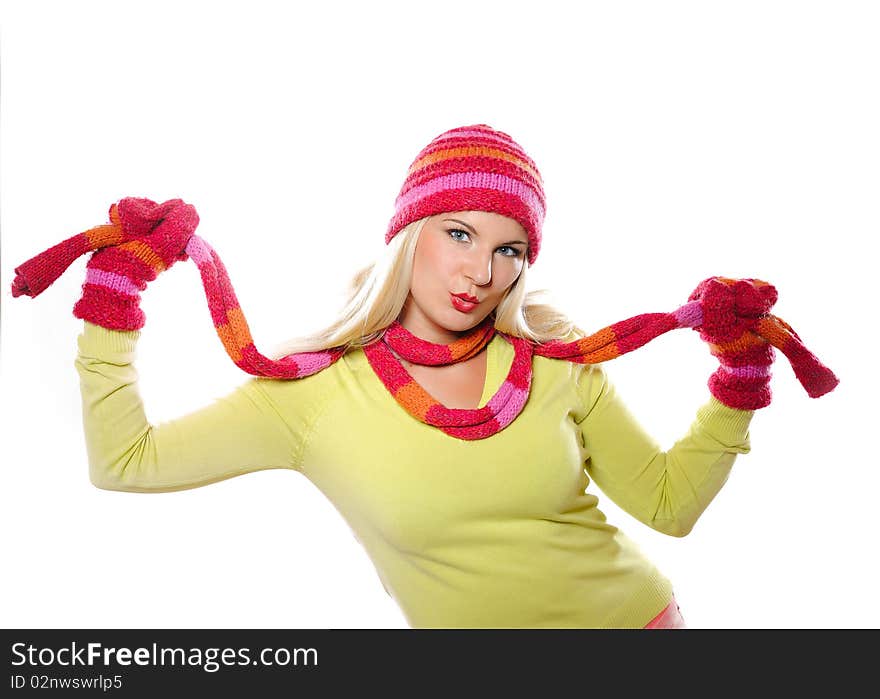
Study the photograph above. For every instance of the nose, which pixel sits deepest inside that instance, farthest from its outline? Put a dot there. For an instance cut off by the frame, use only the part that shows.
(479, 268)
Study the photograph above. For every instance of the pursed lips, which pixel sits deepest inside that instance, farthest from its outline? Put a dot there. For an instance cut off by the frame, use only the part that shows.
(468, 298)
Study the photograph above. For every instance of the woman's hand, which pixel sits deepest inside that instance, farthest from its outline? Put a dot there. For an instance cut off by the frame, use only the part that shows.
(730, 312)
(143, 239)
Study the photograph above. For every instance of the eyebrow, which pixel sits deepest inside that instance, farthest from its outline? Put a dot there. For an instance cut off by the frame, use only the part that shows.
(467, 225)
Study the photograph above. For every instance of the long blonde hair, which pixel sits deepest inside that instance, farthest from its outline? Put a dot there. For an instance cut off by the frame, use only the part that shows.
(378, 292)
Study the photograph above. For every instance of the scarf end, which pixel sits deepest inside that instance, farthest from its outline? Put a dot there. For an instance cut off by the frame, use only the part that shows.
(817, 379)
(36, 275)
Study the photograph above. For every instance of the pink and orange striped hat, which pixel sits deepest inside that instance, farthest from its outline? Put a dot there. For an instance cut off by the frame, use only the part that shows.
(473, 168)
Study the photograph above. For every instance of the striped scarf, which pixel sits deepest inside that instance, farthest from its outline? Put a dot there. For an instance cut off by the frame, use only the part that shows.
(35, 275)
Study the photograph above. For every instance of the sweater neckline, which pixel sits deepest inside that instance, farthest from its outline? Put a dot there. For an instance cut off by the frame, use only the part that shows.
(495, 373)
(464, 423)
(491, 381)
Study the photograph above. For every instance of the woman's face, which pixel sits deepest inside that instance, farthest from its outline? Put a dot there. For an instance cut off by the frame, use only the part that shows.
(475, 253)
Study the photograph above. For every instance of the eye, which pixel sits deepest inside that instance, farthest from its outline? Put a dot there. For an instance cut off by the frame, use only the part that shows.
(513, 252)
(453, 231)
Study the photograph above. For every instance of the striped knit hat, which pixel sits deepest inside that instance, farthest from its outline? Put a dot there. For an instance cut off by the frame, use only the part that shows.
(473, 168)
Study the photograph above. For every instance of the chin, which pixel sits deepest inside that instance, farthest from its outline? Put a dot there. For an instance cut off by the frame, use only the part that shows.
(451, 322)
(465, 322)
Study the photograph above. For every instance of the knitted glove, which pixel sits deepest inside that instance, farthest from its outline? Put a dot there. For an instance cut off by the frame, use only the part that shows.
(731, 309)
(143, 239)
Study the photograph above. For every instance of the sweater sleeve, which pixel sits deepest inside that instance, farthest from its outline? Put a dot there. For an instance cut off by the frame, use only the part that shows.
(236, 434)
(666, 490)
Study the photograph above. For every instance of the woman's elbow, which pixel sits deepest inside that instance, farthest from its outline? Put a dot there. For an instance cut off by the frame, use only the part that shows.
(672, 527)
(101, 479)
(112, 477)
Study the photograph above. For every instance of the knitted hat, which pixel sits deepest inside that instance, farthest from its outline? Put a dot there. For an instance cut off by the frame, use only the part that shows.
(473, 168)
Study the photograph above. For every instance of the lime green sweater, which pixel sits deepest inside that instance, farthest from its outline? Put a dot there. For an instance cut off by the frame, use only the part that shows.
(499, 532)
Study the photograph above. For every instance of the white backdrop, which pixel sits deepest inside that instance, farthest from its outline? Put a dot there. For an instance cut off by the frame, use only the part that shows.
(677, 140)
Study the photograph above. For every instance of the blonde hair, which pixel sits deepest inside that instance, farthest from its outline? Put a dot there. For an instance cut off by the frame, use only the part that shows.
(378, 292)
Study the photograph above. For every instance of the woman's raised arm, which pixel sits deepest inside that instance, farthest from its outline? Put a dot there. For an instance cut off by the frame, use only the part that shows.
(238, 433)
(666, 490)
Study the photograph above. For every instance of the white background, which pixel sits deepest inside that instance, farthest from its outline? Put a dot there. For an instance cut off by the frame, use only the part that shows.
(677, 141)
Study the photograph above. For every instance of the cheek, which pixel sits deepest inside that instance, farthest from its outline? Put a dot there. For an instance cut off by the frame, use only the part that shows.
(422, 278)
(508, 273)
(431, 266)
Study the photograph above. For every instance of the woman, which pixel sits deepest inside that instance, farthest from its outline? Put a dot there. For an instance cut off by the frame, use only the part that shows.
(470, 522)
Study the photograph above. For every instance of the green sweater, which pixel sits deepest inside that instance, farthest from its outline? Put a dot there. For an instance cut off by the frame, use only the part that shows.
(500, 532)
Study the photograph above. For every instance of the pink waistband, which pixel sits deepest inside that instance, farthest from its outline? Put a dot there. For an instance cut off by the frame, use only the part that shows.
(669, 618)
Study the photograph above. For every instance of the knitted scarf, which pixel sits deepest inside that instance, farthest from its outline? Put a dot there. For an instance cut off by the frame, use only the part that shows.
(35, 275)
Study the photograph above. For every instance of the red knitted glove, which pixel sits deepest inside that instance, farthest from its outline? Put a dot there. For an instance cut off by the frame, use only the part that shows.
(730, 312)
(145, 239)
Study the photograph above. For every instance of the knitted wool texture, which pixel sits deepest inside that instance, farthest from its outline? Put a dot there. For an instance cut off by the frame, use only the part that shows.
(733, 311)
(473, 168)
(146, 239)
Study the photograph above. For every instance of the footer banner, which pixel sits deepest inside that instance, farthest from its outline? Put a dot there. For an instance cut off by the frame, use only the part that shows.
(250, 662)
